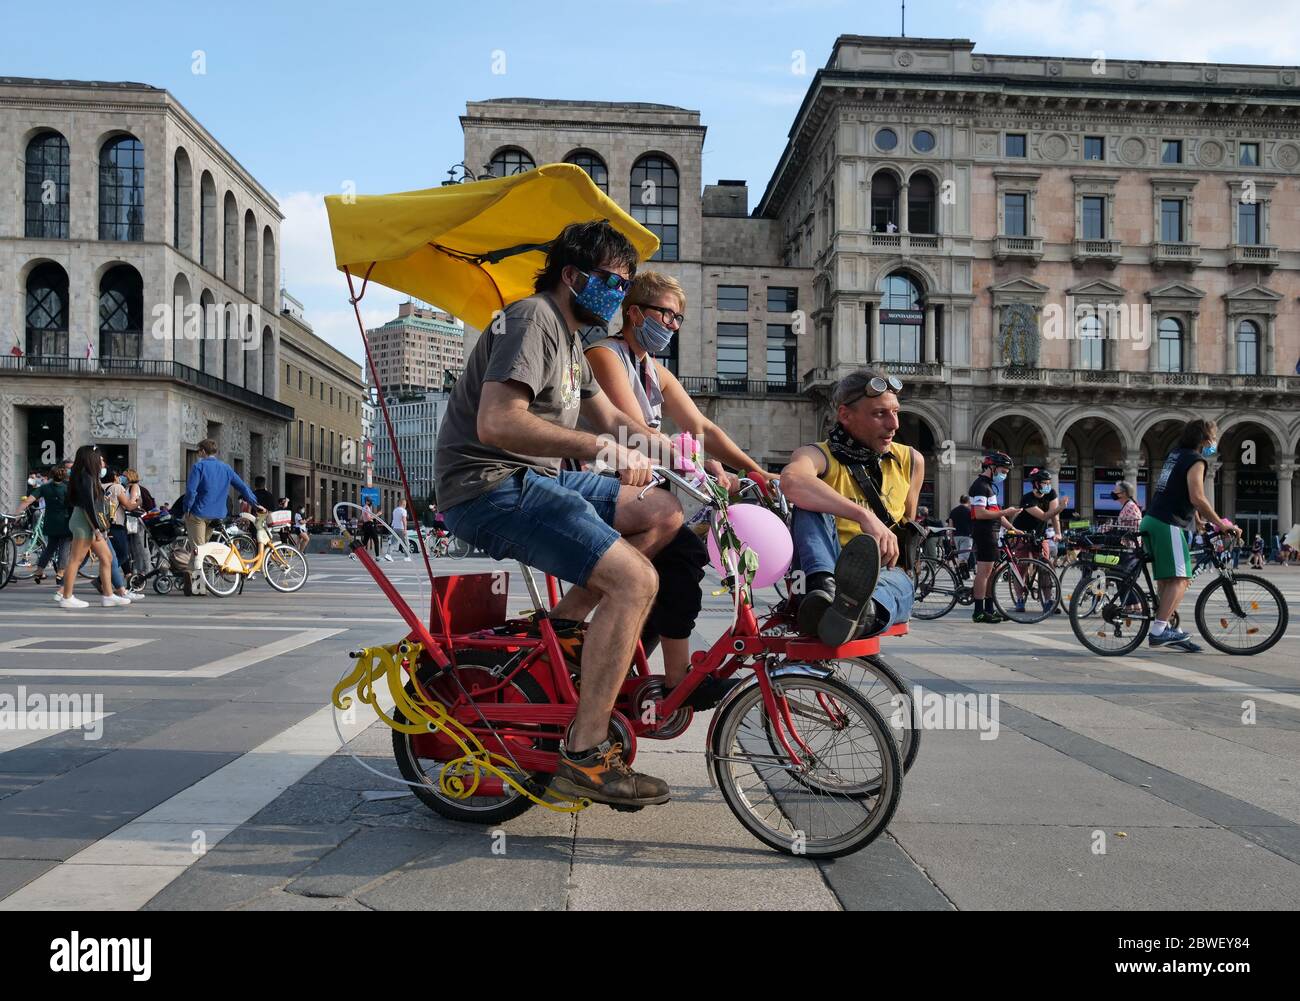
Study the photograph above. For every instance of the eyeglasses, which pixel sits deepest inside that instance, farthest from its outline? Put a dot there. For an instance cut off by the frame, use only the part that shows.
(610, 280)
(877, 386)
(668, 315)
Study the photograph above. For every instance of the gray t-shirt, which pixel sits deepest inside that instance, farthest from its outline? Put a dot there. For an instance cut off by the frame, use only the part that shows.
(536, 349)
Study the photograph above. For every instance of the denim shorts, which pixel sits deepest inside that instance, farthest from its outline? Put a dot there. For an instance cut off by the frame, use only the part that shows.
(560, 525)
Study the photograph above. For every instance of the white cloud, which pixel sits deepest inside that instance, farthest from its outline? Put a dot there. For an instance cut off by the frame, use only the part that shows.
(1173, 30)
(307, 253)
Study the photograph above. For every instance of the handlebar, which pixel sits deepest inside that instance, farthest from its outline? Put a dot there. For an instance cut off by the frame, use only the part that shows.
(679, 481)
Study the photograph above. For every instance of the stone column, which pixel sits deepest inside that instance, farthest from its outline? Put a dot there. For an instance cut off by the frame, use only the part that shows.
(902, 207)
(1229, 346)
(1191, 359)
(1229, 491)
(1153, 351)
(1266, 366)
(995, 360)
(1132, 460)
(1211, 485)
(875, 336)
(929, 353)
(1285, 515)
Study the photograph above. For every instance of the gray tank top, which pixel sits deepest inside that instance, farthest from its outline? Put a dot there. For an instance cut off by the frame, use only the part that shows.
(647, 392)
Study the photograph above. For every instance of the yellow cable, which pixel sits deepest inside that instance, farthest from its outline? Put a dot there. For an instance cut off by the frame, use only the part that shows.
(383, 661)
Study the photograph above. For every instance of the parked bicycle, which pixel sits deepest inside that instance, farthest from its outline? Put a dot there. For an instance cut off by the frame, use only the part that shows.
(227, 562)
(1238, 613)
(1023, 586)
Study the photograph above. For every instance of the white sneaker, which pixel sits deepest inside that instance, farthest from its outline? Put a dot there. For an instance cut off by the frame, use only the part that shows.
(135, 595)
(73, 602)
(388, 557)
(114, 599)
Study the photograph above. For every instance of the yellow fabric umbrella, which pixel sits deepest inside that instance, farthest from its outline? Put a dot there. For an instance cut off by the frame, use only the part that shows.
(471, 248)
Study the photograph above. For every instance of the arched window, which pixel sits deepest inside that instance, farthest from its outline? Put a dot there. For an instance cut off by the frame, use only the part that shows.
(250, 255)
(884, 202)
(268, 362)
(47, 316)
(252, 363)
(1169, 346)
(1248, 348)
(208, 222)
(920, 204)
(655, 200)
(182, 201)
(121, 317)
(47, 187)
(230, 243)
(209, 332)
(902, 312)
(593, 165)
(511, 160)
(270, 274)
(1092, 342)
(121, 189)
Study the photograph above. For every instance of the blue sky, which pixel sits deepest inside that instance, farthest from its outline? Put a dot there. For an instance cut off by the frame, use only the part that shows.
(309, 96)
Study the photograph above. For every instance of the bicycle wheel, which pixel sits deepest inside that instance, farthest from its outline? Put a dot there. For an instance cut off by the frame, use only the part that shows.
(1242, 614)
(284, 568)
(1025, 590)
(421, 758)
(1071, 576)
(1121, 616)
(219, 581)
(878, 683)
(457, 548)
(808, 808)
(8, 553)
(27, 550)
(936, 589)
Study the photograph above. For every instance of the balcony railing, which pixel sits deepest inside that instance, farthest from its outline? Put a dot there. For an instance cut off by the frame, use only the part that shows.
(904, 241)
(1022, 247)
(1150, 381)
(914, 369)
(1106, 251)
(1252, 255)
(702, 386)
(1165, 252)
(144, 367)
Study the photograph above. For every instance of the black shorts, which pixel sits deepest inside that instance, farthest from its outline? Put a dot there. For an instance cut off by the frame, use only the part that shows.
(986, 547)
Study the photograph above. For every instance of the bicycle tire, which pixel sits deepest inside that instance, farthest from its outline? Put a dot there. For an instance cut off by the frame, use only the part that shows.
(427, 789)
(289, 556)
(219, 581)
(457, 548)
(1111, 618)
(1203, 600)
(1038, 574)
(8, 553)
(881, 688)
(27, 549)
(936, 589)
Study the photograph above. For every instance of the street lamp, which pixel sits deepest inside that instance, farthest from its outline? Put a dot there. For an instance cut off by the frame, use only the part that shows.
(465, 174)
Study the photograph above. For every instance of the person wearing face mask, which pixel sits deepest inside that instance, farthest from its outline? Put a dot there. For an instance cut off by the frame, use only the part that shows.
(120, 501)
(1040, 508)
(1178, 497)
(89, 524)
(988, 516)
(510, 423)
(643, 388)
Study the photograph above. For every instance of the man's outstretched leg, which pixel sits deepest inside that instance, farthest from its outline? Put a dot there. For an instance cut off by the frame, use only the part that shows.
(590, 766)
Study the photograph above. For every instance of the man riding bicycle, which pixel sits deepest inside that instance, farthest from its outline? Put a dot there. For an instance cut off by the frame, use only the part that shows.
(511, 420)
(850, 492)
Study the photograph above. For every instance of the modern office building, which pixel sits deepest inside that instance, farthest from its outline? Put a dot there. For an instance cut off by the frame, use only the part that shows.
(417, 349)
(417, 418)
(138, 287)
(1062, 258)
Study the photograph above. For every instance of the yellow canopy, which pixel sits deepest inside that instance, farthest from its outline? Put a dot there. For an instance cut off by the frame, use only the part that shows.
(471, 248)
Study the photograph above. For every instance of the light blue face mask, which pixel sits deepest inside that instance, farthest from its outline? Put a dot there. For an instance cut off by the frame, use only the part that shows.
(653, 335)
(999, 477)
(1208, 451)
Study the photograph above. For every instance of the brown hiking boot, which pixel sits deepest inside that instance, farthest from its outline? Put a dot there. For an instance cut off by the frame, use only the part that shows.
(602, 776)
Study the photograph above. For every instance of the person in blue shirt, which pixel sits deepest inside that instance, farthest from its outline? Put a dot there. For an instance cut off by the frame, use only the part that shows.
(207, 492)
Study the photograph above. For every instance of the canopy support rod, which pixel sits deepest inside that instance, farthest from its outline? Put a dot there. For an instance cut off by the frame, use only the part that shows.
(355, 299)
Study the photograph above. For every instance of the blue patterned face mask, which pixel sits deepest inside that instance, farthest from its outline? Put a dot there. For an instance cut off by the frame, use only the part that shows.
(597, 297)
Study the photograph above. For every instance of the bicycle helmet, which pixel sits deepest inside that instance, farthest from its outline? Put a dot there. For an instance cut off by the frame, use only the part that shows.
(1040, 476)
(995, 459)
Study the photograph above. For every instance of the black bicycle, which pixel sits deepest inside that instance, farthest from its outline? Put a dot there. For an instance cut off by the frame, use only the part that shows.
(1112, 609)
(8, 548)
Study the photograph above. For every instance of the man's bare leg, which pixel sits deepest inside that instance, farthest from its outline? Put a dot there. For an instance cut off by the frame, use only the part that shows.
(626, 584)
(647, 524)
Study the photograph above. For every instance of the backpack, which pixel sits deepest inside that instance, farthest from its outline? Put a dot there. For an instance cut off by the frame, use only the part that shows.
(146, 499)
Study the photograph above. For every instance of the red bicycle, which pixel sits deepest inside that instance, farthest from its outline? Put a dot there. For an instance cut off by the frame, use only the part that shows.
(799, 752)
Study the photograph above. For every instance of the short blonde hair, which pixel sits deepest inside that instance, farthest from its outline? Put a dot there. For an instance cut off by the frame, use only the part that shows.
(649, 285)
(131, 475)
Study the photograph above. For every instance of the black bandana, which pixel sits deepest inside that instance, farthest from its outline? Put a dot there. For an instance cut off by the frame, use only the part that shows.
(849, 450)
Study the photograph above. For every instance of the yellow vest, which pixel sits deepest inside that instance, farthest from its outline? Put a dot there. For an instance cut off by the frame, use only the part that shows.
(895, 482)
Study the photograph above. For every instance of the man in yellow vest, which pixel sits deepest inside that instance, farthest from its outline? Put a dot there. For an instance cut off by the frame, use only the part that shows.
(849, 492)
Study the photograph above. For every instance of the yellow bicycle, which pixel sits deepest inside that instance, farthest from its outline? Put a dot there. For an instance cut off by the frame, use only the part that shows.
(227, 561)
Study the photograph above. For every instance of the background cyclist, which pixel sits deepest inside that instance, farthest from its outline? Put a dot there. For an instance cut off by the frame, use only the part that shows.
(1039, 508)
(989, 515)
(1179, 495)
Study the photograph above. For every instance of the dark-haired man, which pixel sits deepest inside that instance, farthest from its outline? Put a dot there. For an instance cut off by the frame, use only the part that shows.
(988, 516)
(511, 420)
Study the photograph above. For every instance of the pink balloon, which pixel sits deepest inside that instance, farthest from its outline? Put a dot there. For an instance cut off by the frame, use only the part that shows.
(763, 532)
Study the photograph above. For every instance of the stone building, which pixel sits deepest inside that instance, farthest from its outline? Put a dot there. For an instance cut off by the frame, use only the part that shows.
(1064, 258)
(416, 349)
(739, 352)
(138, 281)
(323, 444)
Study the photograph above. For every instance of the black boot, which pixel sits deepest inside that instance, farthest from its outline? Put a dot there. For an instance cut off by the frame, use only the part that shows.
(819, 592)
(852, 611)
